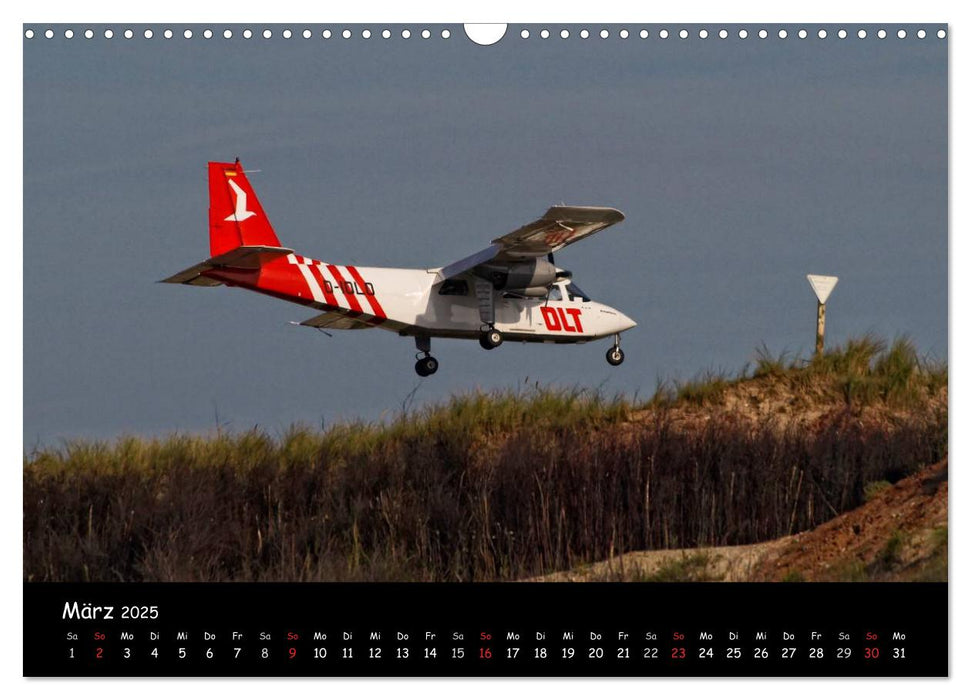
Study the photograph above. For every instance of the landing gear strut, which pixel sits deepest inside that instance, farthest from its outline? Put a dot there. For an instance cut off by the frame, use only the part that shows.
(490, 338)
(426, 365)
(615, 355)
(485, 295)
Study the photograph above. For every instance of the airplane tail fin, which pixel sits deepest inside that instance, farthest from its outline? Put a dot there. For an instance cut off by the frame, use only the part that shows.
(235, 216)
(240, 235)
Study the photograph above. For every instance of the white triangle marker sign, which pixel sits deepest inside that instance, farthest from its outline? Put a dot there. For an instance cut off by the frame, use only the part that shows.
(822, 285)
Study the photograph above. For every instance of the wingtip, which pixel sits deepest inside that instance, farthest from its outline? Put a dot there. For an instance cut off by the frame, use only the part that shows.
(607, 215)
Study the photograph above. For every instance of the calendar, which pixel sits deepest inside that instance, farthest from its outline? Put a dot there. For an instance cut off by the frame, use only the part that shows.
(486, 350)
(337, 630)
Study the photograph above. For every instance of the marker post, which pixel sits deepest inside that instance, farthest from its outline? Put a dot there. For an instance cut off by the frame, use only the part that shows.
(823, 286)
(820, 327)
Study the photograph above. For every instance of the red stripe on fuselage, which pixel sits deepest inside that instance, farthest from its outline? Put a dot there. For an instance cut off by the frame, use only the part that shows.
(351, 299)
(329, 297)
(372, 300)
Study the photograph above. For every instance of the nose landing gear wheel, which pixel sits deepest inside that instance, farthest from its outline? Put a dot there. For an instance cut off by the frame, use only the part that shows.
(490, 339)
(426, 366)
(615, 356)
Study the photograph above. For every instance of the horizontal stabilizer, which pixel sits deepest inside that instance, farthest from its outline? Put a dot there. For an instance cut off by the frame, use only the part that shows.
(248, 257)
(335, 321)
(193, 276)
(241, 258)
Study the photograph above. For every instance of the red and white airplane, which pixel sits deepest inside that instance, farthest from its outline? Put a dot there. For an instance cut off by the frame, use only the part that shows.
(511, 290)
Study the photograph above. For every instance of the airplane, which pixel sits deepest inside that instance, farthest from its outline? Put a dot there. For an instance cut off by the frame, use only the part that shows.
(511, 290)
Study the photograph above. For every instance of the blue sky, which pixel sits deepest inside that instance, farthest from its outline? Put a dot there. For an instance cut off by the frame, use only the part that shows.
(741, 165)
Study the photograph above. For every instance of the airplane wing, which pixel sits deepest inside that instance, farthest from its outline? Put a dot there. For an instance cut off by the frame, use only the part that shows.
(558, 228)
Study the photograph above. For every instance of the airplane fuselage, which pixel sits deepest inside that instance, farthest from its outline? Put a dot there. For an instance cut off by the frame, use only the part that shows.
(412, 302)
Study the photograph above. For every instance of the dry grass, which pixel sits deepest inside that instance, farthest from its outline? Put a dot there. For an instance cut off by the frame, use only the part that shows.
(485, 487)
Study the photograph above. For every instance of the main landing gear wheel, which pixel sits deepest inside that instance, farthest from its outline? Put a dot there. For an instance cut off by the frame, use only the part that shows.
(426, 366)
(490, 339)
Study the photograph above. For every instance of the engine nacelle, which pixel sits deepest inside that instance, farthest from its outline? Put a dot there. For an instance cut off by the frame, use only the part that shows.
(532, 291)
(532, 278)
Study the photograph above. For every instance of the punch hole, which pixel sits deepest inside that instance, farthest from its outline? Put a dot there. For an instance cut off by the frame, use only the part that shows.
(545, 34)
(524, 34)
(861, 33)
(723, 34)
(88, 34)
(882, 34)
(624, 33)
(743, 34)
(921, 34)
(902, 34)
(247, 34)
(604, 34)
(763, 34)
(821, 33)
(346, 33)
(584, 34)
(207, 34)
(29, 34)
(49, 34)
(187, 34)
(287, 34)
(446, 34)
(663, 33)
(326, 34)
(267, 33)
(644, 34)
(129, 34)
(703, 34)
(803, 33)
(68, 33)
(683, 34)
(425, 34)
(941, 33)
(307, 34)
(564, 34)
(486, 34)
(366, 34)
(841, 33)
(168, 33)
(386, 34)
(227, 34)
(148, 34)
(783, 33)
(405, 33)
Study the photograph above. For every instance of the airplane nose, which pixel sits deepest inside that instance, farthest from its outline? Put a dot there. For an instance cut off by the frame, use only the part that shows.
(626, 323)
(623, 322)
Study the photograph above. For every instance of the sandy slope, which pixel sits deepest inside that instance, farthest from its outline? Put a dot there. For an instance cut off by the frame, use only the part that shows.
(899, 534)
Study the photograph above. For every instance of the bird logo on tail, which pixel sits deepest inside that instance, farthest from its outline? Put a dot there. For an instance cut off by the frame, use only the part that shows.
(240, 214)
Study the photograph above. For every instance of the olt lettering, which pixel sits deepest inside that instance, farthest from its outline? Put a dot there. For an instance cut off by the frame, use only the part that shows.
(556, 319)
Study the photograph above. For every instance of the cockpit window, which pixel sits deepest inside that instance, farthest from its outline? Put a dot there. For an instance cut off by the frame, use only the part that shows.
(555, 293)
(575, 292)
(458, 288)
